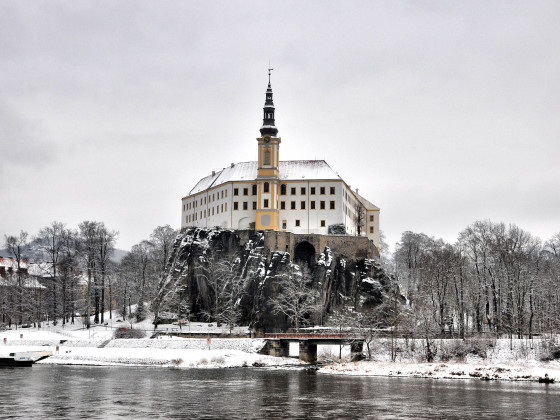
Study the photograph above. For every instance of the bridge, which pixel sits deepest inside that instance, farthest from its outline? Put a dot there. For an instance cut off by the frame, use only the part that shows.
(279, 344)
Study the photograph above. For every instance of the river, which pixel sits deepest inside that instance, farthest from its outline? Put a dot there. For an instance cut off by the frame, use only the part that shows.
(76, 392)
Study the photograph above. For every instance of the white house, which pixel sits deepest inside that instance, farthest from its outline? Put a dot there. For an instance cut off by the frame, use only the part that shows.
(300, 196)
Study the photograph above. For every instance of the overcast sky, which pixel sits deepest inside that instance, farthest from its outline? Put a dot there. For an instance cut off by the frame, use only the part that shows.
(441, 113)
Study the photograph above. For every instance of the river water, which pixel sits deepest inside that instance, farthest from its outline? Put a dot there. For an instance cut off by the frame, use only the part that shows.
(76, 392)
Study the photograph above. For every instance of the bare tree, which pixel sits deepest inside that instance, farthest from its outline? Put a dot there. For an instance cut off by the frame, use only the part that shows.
(50, 242)
(86, 245)
(18, 246)
(162, 239)
(139, 265)
(105, 245)
(359, 217)
(296, 299)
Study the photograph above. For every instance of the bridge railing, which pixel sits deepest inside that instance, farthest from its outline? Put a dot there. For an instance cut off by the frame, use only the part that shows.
(303, 336)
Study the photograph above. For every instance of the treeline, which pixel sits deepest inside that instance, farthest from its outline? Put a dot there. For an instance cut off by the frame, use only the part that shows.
(61, 273)
(496, 278)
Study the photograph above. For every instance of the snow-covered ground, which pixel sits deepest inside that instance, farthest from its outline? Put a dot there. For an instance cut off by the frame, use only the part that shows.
(96, 346)
(503, 359)
(516, 360)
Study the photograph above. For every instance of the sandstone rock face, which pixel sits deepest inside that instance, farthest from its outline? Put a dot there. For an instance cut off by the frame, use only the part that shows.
(195, 277)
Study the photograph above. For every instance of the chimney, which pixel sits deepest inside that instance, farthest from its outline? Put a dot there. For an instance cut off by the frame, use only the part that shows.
(232, 165)
(356, 191)
(213, 173)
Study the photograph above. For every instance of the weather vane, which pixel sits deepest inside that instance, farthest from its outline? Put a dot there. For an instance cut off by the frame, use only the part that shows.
(269, 70)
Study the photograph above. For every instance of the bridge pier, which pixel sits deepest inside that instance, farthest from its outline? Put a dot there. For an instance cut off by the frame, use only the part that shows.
(308, 352)
(278, 348)
(356, 350)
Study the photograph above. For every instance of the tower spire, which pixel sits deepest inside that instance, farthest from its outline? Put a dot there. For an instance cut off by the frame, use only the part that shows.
(268, 126)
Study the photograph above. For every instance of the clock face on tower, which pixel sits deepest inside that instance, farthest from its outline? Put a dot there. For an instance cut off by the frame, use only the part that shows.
(266, 139)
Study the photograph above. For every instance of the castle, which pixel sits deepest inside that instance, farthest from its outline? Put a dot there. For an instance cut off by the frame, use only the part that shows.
(298, 196)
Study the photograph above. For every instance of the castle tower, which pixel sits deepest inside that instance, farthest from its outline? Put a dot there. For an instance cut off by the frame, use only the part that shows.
(268, 168)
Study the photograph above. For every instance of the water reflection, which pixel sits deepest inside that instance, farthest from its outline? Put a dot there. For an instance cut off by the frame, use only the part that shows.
(115, 392)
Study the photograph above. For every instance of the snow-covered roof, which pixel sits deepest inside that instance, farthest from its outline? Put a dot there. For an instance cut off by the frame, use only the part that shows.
(41, 269)
(366, 203)
(290, 170)
(10, 262)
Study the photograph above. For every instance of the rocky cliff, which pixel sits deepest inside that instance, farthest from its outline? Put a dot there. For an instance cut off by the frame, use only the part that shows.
(231, 276)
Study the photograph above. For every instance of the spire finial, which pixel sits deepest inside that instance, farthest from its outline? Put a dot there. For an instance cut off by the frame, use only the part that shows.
(268, 126)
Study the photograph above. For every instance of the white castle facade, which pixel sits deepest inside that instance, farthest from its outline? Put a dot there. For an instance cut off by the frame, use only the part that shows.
(299, 196)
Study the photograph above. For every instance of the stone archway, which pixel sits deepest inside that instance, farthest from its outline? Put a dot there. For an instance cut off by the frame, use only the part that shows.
(304, 251)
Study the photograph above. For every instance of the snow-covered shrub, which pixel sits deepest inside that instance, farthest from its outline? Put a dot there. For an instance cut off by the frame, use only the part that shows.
(218, 360)
(550, 350)
(477, 347)
(124, 332)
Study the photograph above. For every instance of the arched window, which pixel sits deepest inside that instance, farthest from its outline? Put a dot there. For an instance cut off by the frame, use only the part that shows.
(266, 187)
(267, 157)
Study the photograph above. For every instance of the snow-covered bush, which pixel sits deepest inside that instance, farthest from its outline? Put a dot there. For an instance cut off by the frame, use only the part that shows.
(124, 332)
(550, 350)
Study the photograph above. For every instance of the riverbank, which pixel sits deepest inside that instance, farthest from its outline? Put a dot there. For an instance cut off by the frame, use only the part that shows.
(485, 359)
(517, 360)
(75, 345)
(449, 370)
(176, 352)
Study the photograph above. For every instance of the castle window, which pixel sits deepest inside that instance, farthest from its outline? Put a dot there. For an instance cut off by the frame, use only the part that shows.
(371, 218)
(322, 190)
(323, 223)
(333, 189)
(236, 191)
(282, 205)
(201, 214)
(293, 191)
(298, 224)
(322, 205)
(205, 214)
(332, 205)
(312, 203)
(217, 209)
(245, 191)
(245, 205)
(371, 229)
(225, 206)
(226, 193)
(254, 189)
(302, 205)
(222, 208)
(235, 205)
(267, 157)
(212, 211)
(183, 207)
(222, 193)
(312, 190)
(284, 224)
(292, 205)
(266, 187)
(283, 189)
(265, 203)
(302, 190)
(214, 197)
(254, 205)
